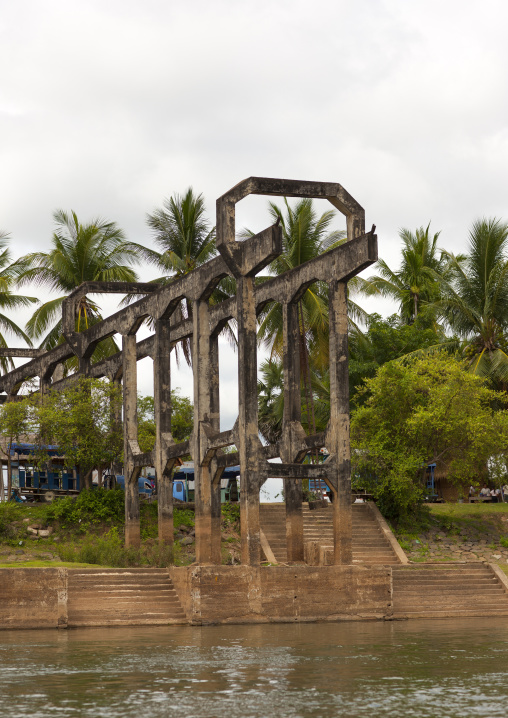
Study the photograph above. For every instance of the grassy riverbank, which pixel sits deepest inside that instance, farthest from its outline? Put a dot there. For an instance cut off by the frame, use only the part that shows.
(459, 532)
(88, 531)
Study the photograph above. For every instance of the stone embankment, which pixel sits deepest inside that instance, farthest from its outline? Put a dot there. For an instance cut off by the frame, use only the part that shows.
(482, 540)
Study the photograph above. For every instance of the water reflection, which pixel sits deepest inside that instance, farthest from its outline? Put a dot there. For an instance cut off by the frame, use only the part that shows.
(420, 668)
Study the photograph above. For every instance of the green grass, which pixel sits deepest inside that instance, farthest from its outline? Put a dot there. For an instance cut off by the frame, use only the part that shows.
(49, 564)
(468, 510)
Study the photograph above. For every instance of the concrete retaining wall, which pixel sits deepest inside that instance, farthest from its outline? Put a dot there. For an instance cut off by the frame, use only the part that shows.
(33, 597)
(242, 594)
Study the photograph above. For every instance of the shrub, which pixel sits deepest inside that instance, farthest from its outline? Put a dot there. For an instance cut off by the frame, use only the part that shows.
(230, 514)
(108, 550)
(91, 506)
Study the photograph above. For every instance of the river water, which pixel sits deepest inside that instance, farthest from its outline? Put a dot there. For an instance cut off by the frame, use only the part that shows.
(415, 668)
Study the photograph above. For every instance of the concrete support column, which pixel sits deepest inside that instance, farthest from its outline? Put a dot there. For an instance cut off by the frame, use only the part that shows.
(293, 493)
(249, 444)
(130, 418)
(115, 415)
(337, 439)
(44, 384)
(216, 555)
(162, 410)
(201, 365)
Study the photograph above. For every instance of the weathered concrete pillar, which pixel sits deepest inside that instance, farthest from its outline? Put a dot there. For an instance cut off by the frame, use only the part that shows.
(202, 370)
(44, 384)
(293, 493)
(130, 414)
(215, 424)
(249, 445)
(162, 410)
(115, 416)
(337, 439)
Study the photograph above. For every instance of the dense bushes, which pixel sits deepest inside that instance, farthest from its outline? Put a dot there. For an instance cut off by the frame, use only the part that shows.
(108, 550)
(94, 506)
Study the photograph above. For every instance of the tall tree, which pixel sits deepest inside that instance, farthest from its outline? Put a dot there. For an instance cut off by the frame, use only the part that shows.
(9, 301)
(182, 234)
(414, 284)
(387, 340)
(185, 240)
(428, 410)
(474, 298)
(96, 251)
(304, 237)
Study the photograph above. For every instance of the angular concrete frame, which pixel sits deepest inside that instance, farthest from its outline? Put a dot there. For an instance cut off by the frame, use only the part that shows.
(242, 260)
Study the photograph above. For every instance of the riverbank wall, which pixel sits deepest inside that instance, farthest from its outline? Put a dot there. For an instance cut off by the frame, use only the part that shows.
(197, 595)
(244, 594)
(203, 595)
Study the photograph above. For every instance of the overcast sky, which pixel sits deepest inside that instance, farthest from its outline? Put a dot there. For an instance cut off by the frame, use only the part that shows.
(108, 107)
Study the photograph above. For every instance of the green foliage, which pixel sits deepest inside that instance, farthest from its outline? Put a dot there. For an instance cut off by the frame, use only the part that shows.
(504, 541)
(9, 301)
(431, 410)
(79, 420)
(230, 514)
(89, 507)
(182, 419)
(384, 341)
(414, 285)
(15, 421)
(183, 516)
(305, 235)
(108, 550)
(474, 299)
(8, 514)
(96, 251)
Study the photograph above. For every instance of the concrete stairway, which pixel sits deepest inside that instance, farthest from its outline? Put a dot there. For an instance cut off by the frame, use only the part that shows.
(452, 589)
(369, 543)
(272, 518)
(122, 597)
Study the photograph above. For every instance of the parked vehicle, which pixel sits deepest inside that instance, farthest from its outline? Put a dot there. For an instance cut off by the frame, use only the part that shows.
(144, 485)
(36, 484)
(183, 484)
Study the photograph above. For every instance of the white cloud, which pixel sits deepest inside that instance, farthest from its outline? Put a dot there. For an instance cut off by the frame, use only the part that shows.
(108, 107)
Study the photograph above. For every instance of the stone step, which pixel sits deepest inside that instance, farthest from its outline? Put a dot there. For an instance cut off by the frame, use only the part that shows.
(122, 597)
(443, 576)
(450, 613)
(437, 588)
(448, 590)
(151, 573)
(120, 587)
(98, 622)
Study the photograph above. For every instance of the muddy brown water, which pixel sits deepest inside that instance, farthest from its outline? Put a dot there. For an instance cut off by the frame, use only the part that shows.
(425, 668)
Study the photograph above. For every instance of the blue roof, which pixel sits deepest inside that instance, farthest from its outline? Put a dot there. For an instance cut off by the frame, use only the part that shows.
(229, 472)
(23, 448)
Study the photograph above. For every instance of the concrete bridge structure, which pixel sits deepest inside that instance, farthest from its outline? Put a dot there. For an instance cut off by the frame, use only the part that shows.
(243, 261)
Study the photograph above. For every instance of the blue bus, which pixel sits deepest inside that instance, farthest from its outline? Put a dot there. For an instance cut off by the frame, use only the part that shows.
(37, 484)
(183, 484)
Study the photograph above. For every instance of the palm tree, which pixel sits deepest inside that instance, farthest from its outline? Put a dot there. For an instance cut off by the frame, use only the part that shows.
(271, 400)
(474, 298)
(183, 235)
(97, 251)
(414, 284)
(9, 301)
(185, 240)
(304, 237)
